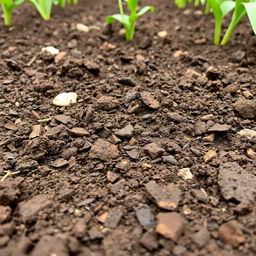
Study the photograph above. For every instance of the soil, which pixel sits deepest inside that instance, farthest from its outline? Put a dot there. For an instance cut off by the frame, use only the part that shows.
(160, 162)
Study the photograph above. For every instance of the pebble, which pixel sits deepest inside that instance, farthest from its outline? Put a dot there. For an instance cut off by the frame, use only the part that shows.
(125, 132)
(199, 195)
(104, 150)
(209, 155)
(5, 214)
(251, 154)
(248, 133)
(107, 103)
(149, 100)
(113, 217)
(175, 117)
(213, 73)
(170, 225)
(236, 183)
(63, 119)
(220, 128)
(126, 81)
(50, 49)
(153, 150)
(145, 217)
(149, 240)
(231, 234)
(82, 28)
(209, 138)
(79, 131)
(60, 162)
(202, 237)
(245, 108)
(50, 245)
(185, 174)
(36, 131)
(238, 55)
(170, 159)
(166, 196)
(162, 34)
(200, 128)
(65, 99)
(28, 209)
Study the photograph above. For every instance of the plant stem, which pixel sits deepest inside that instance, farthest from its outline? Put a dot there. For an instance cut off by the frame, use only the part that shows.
(130, 31)
(228, 34)
(7, 15)
(217, 31)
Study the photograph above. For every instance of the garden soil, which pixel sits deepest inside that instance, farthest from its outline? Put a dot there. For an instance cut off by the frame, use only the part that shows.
(156, 157)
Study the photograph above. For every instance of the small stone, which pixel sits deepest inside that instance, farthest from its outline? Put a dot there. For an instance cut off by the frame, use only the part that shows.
(231, 234)
(207, 117)
(209, 155)
(251, 154)
(175, 117)
(201, 238)
(247, 94)
(145, 216)
(65, 99)
(248, 133)
(238, 55)
(166, 196)
(179, 250)
(199, 195)
(94, 233)
(104, 150)
(170, 225)
(149, 240)
(125, 132)
(245, 108)
(212, 73)
(113, 218)
(92, 66)
(79, 131)
(36, 131)
(170, 159)
(50, 245)
(63, 119)
(209, 138)
(236, 183)
(126, 81)
(219, 128)
(50, 49)
(200, 128)
(60, 162)
(112, 176)
(5, 214)
(69, 152)
(149, 100)
(153, 150)
(191, 78)
(80, 228)
(82, 28)
(107, 103)
(185, 174)
(31, 207)
(162, 34)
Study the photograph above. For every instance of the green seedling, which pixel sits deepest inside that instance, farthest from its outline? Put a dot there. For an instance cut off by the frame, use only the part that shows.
(61, 3)
(8, 6)
(129, 21)
(220, 9)
(72, 1)
(241, 8)
(44, 7)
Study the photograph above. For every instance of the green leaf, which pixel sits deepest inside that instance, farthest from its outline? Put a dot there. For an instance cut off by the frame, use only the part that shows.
(124, 19)
(227, 7)
(145, 9)
(251, 12)
(132, 5)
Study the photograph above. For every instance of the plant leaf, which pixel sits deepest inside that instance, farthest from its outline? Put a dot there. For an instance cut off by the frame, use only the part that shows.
(251, 11)
(226, 7)
(124, 19)
(145, 9)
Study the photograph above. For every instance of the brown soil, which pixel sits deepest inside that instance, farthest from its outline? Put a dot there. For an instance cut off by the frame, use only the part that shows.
(122, 192)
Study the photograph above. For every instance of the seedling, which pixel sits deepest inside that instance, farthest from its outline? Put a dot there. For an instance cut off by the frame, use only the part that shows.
(242, 7)
(220, 9)
(44, 7)
(8, 6)
(129, 21)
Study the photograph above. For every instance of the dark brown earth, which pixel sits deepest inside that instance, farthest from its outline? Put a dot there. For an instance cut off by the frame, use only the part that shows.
(161, 166)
